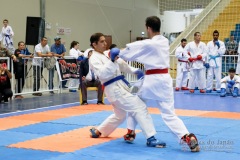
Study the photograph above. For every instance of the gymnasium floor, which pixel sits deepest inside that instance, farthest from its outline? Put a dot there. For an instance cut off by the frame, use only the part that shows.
(56, 127)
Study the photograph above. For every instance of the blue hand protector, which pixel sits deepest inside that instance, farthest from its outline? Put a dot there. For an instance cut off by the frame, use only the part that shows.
(230, 85)
(206, 65)
(114, 52)
(139, 74)
(81, 58)
(217, 44)
(232, 82)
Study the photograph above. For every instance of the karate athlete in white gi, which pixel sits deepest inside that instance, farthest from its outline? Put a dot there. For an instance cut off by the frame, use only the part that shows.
(215, 50)
(182, 67)
(238, 62)
(118, 93)
(157, 83)
(197, 52)
(230, 84)
(6, 36)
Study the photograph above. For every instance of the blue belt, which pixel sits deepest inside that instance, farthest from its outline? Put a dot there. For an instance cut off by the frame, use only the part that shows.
(214, 58)
(7, 36)
(121, 77)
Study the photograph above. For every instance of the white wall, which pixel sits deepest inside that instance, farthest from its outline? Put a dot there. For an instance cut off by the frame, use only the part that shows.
(111, 17)
(177, 21)
(173, 22)
(19, 10)
(84, 17)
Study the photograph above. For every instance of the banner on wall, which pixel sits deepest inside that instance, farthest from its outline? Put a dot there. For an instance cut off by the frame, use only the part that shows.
(68, 68)
(60, 30)
(63, 31)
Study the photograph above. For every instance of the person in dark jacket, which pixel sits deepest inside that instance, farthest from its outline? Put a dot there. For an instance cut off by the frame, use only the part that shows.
(88, 79)
(20, 67)
(5, 84)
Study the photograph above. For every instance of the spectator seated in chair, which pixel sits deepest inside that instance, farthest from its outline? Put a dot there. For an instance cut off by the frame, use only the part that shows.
(88, 79)
(5, 85)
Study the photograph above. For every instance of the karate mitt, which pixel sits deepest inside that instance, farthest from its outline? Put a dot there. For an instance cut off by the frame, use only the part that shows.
(199, 57)
(139, 74)
(190, 59)
(217, 44)
(80, 58)
(232, 82)
(206, 65)
(114, 52)
(229, 85)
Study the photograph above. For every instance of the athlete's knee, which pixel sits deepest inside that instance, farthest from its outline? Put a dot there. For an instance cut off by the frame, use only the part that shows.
(121, 117)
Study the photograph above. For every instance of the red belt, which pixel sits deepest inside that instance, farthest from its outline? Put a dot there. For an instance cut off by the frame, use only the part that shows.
(157, 71)
(182, 61)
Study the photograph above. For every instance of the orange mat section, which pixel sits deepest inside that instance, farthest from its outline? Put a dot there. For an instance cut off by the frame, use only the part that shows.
(208, 114)
(33, 118)
(182, 112)
(226, 115)
(68, 141)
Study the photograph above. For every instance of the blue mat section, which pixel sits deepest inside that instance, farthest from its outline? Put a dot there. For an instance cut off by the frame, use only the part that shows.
(207, 103)
(26, 154)
(210, 132)
(201, 102)
(197, 92)
(10, 137)
(195, 124)
(85, 120)
(45, 128)
(39, 110)
(233, 132)
(118, 149)
(213, 93)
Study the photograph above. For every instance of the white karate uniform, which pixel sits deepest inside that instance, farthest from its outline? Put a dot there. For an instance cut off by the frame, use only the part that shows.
(238, 62)
(227, 78)
(215, 68)
(6, 38)
(182, 67)
(197, 70)
(85, 54)
(75, 53)
(118, 94)
(154, 54)
(107, 52)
